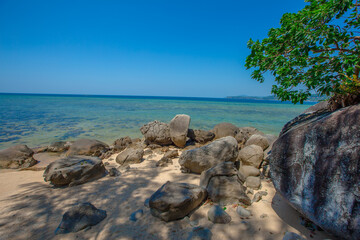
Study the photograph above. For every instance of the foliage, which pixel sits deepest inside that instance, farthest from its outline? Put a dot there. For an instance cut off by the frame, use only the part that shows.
(315, 50)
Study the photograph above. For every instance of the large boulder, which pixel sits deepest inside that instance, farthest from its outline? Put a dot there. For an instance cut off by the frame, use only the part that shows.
(244, 133)
(176, 200)
(259, 140)
(200, 159)
(74, 170)
(315, 165)
(179, 126)
(19, 156)
(224, 184)
(251, 155)
(79, 217)
(88, 147)
(156, 133)
(225, 129)
(122, 143)
(200, 136)
(130, 156)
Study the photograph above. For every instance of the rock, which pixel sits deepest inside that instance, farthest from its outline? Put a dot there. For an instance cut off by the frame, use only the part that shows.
(225, 129)
(253, 182)
(19, 156)
(164, 162)
(153, 146)
(176, 200)
(122, 143)
(244, 133)
(156, 133)
(130, 156)
(80, 217)
(200, 159)
(179, 126)
(58, 147)
(258, 140)
(148, 152)
(200, 136)
(216, 214)
(292, 236)
(251, 155)
(136, 215)
(88, 147)
(171, 154)
(266, 171)
(74, 170)
(257, 197)
(322, 106)
(243, 213)
(200, 233)
(247, 171)
(262, 193)
(113, 172)
(315, 165)
(224, 184)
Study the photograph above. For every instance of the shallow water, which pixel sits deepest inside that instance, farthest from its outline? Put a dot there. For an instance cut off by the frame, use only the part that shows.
(38, 120)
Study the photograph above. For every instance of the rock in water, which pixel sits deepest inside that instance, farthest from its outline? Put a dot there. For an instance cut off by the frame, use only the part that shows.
(224, 184)
(176, 200)
(225, 129)
(200, 136)
(74, 170)
(88, 147)
(19, 156)
(58, 147)
(216, 214)
(156, 133)
(179, 126)
(79, 217)
(315, 165)
(200, 159)
(130, 156)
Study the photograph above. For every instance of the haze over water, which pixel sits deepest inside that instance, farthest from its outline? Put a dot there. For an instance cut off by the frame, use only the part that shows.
(38, 120)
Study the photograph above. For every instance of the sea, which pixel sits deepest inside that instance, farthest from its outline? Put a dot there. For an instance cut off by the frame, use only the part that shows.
(40, 119)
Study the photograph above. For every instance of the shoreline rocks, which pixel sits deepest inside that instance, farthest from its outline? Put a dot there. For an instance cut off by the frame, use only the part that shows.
(179, 126)
(87, 147)
(18, 156)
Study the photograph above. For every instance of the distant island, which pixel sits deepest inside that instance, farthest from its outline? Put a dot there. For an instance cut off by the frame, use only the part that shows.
(312, 98)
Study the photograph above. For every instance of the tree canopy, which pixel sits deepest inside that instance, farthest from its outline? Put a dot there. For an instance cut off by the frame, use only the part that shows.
(315, 50)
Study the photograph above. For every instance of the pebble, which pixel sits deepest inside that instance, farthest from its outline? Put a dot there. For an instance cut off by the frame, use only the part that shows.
(257, 197)
(113, 172)
(200, 233)
(244, 213)
(263, 215)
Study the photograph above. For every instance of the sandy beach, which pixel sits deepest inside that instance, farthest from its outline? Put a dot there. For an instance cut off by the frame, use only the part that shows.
(30, 208)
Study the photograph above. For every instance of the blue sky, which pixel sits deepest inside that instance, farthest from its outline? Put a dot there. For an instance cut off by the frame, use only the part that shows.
(157, 48)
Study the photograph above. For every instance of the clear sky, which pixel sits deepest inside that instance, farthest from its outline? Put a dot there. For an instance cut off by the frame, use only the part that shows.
(150, 47)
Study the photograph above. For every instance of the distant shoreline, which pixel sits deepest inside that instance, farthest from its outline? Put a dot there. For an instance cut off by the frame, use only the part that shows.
(251, 99)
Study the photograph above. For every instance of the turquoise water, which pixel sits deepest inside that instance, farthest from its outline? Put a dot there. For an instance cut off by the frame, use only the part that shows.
(38, 120)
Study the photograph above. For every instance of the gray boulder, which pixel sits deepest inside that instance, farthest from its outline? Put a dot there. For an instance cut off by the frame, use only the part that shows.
(176, 200)
(58, 147)
(253, 182)
(122, 143)
(216, 214)
(224, 184)
(130, 156)
(225, 129)
(74, 170)
(244, 133)
(156, 133)
(200, 159)
(251, 155)
(88, 147)
(80, 217)
(200, 136)
(247, 171)
(315, 165)
(19, 156)
(179, 126)
(258, 140)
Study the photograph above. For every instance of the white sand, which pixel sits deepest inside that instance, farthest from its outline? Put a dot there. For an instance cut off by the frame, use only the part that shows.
(32, 209)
